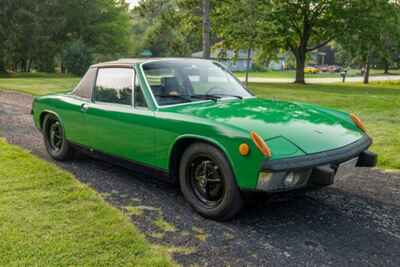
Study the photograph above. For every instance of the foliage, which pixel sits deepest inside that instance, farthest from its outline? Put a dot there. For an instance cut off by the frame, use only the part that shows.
(77, 58)
(298, 26)
(375, 34)
(157, 27)
(34, 33)
(49, 219)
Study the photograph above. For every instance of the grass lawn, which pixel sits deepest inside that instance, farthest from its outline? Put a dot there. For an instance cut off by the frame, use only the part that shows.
(49, 219)
(378, 104)
(291, 74)
(38, 83)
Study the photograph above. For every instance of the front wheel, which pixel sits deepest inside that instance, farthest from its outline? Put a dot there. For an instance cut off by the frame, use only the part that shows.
(54, 139)
(208, 183)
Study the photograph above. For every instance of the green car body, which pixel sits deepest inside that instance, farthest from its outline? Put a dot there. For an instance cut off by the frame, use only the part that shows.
(298, 134)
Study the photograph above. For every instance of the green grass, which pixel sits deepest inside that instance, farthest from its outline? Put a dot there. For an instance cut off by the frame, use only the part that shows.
(38, 83)
(291, 74)
(378, 104)
(47, 218)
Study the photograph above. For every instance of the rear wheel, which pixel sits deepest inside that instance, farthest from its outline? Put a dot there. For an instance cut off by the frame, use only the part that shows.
(54, 139)
(208, 183)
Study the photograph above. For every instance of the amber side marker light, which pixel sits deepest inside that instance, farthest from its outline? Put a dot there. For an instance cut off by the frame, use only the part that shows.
(244, 149)
(261, 145)
(358, 122)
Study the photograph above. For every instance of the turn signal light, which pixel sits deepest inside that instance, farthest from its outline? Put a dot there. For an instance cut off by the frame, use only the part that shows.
(261, 145)
(358, 122)
(244, 149)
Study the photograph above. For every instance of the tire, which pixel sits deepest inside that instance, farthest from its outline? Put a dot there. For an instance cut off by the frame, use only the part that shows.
(58, 148)
(214, 194)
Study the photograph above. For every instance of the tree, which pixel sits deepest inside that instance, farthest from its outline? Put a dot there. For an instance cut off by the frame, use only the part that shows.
(303, 26)
(77, 58)
(238, 33)
(34, 33)
(374, 35)
(206, 28)
(157, 25)
(299, 26)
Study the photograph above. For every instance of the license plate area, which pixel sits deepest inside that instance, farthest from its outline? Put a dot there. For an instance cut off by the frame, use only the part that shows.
(346, 169)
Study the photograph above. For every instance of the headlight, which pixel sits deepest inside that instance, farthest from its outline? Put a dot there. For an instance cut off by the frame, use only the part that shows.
(292, 179)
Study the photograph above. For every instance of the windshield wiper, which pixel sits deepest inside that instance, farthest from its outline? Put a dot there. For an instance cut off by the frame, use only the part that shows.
(175, 96)
(222, 95)
(210, 97)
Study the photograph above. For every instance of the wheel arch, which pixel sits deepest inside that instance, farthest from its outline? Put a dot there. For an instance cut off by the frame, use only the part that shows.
(44, 113)
(182, 143)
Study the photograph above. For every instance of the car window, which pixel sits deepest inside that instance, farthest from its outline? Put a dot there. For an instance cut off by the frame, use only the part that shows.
(139, 96)
(181, 81)
(114, 85)
(85, 86)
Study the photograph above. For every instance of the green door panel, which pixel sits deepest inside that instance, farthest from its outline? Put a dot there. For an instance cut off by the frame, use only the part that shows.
(122, 131)
(68, 109)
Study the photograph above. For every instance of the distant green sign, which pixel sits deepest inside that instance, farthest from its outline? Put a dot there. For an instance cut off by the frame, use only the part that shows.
(147, 53)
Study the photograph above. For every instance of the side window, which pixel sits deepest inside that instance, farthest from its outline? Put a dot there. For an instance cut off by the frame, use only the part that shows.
(85, 86)
(139, 99)
(114, 85)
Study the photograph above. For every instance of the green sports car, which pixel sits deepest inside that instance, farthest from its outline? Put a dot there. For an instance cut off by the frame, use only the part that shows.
(192, 122)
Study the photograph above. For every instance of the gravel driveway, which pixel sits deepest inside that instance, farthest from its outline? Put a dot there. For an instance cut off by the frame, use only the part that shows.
(355, 222)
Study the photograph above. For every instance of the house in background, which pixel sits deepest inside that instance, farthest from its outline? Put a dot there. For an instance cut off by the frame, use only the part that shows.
(324, 56)
(233, 61)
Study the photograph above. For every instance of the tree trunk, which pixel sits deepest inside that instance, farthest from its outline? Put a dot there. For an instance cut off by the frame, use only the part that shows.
(386, 67)
(2, 64)
(29, 65)
(248, 65)
(2, 67)
(300, 55)
(366, 72)
(206, 28)
(23, 65)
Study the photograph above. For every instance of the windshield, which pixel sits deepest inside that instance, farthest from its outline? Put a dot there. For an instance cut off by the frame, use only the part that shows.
(180, 81)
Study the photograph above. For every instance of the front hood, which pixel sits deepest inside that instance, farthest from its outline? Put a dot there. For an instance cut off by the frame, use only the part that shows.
(311, 128)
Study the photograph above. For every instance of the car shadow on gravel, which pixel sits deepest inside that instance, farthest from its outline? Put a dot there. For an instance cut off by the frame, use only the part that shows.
(328, 226)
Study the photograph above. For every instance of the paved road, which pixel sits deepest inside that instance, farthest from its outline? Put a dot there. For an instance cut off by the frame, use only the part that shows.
(356, 222)
(324, 80)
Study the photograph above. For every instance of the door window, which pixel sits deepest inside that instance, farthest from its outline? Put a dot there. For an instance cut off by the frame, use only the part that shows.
(114, 85)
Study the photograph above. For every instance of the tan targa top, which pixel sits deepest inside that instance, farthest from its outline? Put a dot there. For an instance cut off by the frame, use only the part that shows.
(131, 61)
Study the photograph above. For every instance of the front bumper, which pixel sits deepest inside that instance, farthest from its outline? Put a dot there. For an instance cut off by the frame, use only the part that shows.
(317, 169)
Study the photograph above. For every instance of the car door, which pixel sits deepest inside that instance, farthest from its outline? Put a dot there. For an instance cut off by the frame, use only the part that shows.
(118, 122)
(73, 111)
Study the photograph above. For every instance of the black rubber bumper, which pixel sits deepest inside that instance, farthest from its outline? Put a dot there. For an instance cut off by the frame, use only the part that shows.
(367, 159)
(330, 157)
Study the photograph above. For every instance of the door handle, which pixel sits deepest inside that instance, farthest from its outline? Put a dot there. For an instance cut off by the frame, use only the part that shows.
(84, 107)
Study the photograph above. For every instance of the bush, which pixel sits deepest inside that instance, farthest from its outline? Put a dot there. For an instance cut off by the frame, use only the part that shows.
(77, 58)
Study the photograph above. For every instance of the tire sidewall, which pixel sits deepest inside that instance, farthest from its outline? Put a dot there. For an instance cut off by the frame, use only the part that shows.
(231, 202)
(64, 152)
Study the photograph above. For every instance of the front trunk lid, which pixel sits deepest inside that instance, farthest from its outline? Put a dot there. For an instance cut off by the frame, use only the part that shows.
(309, 127)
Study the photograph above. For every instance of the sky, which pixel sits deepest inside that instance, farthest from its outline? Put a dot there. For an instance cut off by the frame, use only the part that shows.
(132, 3)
